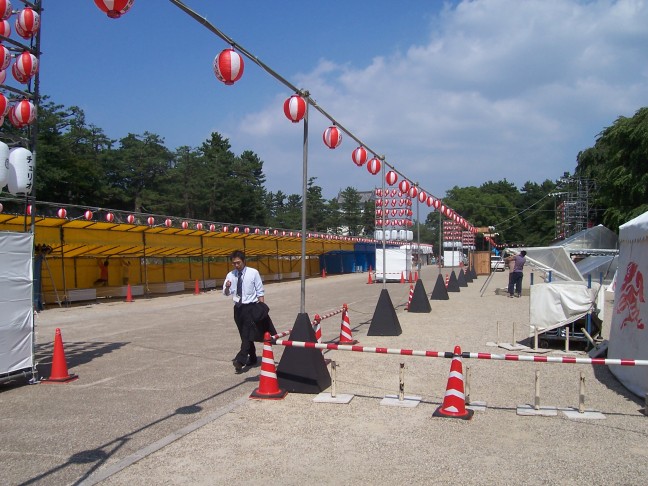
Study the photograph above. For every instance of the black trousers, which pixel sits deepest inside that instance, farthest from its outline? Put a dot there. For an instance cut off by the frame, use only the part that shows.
(245, 324)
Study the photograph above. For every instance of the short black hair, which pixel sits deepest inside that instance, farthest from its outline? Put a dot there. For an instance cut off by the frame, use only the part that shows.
(238, 254)
(523, 253)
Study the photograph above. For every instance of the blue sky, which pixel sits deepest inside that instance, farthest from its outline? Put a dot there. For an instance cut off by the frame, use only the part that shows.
(452, 93)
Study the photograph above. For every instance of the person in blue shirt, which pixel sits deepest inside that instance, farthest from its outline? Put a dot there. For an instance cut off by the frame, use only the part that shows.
(516, 274)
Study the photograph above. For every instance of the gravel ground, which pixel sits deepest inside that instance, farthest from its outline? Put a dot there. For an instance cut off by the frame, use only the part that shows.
(297, 441)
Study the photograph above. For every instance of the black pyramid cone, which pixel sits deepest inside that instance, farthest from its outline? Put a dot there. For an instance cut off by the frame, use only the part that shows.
(440, 292)
(461, 279)
(453, 283)
(420, 302)
(303, 370)
(384, 321)
(468, 275)
(473, 273)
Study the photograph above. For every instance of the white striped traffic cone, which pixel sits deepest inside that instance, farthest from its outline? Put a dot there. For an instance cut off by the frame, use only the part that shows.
(268, 384)
(454, 401)
(447, 280)
(411, 296)
(317, 328)
(346, 337)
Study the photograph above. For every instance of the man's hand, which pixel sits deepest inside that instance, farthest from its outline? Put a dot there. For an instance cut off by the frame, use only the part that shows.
(228, 284)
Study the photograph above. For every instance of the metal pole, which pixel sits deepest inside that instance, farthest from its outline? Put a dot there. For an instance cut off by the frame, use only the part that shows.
(440, 239)
(581, 394)
(418, 233)
(383, 219)
(401, 382)
(333, 378)
(536, 404)
(302, 304)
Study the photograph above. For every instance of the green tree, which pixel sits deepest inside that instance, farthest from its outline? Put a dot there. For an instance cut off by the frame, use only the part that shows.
(617, 163)
(316, 207)
(350, 208)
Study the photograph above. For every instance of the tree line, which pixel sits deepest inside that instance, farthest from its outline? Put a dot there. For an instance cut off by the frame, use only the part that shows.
(78, 164)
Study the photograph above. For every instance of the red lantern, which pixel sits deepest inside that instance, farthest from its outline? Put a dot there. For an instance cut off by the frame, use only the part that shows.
(374, 166)
(29, 210)
(266, 232)
(256, 231)
(359, 156)
(391, 177)
(150, 220)
(5, 9)
(23, 112)
(199, 226)
(404, 186)
(114, 8)
(168, 223)
(413, 192)
(3, 76)
(228, 66)
(27, 64)
(62, 213)
(212, 227)
(185, 225)
(110, 217)
(27, 23)
(5, 28)
(430, 201)
(332, 137)
(5, 57)
(422, 196)
(87, 215)
(246, 231)
(225, 229)
(295, 108)
(4, 105)
(130, 219)
(18, 76)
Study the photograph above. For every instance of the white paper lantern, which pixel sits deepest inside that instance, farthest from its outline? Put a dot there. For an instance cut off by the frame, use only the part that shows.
(20, 176)
(4, 164)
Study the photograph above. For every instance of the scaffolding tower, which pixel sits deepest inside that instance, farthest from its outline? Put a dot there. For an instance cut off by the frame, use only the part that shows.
(573, 212)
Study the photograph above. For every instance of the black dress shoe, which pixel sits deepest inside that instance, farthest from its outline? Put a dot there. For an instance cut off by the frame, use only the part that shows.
(252, 361)
(237, 366)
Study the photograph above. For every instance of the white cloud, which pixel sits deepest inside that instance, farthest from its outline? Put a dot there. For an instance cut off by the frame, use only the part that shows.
(503, 88)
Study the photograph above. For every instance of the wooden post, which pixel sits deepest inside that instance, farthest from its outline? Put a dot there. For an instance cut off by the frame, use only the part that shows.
(536, 404)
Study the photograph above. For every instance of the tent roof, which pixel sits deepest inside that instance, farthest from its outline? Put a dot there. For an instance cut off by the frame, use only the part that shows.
(82, 238)
(635, 229)
(595, 240)
(554, 259)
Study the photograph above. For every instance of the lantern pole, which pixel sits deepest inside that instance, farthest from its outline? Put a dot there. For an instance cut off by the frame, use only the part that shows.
(440, 240)
(418, 231)
(384, 244)
(302, 305)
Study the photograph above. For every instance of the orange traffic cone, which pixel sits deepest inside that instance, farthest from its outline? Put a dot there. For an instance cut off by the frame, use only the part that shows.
(268, 384)
(346, 337)
(369, 279)
(411, 296)
(323, 272)
(410, 277)
(197, 288)
(454, 401)
(447, 280)
(416, 276)
(59, 372)
(129, 294)
(402, 278)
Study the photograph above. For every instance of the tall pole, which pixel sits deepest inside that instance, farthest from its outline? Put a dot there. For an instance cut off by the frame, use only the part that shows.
(383, 219)
(440, 239)
(302, 304)
(418, 232)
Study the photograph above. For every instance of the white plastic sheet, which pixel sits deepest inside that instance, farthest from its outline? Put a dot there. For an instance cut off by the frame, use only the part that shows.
(16, 288)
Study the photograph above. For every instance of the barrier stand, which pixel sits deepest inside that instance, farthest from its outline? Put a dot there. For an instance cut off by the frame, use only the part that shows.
(567, 339)
(582, 413)
(477, 406)
(535, 337)
(401, 400)
(333, 397)
(536, 409)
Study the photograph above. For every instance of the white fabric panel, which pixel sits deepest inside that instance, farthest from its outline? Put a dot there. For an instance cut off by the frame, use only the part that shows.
(16, 288)
(629, 331)
(558, 303)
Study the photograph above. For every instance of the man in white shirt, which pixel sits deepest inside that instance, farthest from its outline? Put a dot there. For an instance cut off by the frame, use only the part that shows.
(245, 285)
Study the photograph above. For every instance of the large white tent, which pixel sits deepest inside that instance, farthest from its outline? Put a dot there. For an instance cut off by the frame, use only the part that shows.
(16, 289)
(629, 332)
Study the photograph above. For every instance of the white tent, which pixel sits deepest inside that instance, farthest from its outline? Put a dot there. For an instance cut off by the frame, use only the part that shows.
(16, 289)
(629, 331)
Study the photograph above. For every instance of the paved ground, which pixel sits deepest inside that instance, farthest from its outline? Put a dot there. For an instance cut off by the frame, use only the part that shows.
(158, 402)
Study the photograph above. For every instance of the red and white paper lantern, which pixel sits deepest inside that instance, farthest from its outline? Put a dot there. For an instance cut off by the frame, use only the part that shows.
(27, 64)
(199, 226)
(413, 192)
(5, 28)
(27, 23)
(295, 108)
(4, 164)
(88, 215)
(5, 9)
(185, 225)
(422, 196)
(228, 66)
(212, 227)
(359, 156)
(130, 219)
(332, 137)
(4, 105)
(23, 113)
(168, 223)
(110, 217)
(404, 186)
(151, 221)
(391, 177)
(5, 57)
(114, 8)
(374, 166)
(62, 213)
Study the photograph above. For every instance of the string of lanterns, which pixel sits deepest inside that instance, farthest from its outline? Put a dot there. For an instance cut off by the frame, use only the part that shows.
(228, 67)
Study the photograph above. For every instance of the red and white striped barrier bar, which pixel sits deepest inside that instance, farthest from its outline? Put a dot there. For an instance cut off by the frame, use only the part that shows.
(557, 359)
(449, 354)
(317, 319)
(364, 349)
